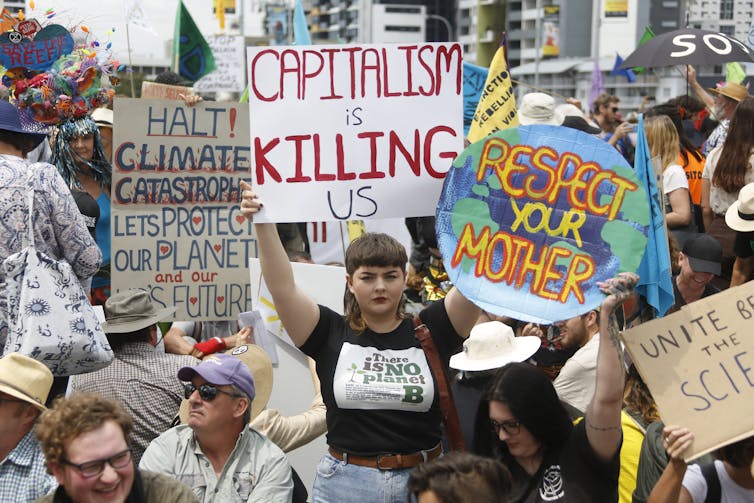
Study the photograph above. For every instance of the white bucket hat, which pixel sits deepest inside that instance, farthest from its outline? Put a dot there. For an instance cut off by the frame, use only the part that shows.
(492, 345)
(740, 214)
(538, 108)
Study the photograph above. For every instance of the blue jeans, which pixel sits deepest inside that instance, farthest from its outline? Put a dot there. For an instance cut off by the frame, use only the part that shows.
(337, 481)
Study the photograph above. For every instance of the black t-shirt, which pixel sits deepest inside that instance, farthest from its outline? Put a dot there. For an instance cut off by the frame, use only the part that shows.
(378, 388)
(744, 245)
(573, 475)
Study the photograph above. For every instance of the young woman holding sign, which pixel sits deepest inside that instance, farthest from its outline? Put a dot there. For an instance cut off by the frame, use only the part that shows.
(522, 423)
(383, 415)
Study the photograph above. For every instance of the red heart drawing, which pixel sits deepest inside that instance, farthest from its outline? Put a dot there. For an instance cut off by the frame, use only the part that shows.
(240, 218)
(193, 300)
(164, 249)
(218, 248)
(196, 220)
(220, 299)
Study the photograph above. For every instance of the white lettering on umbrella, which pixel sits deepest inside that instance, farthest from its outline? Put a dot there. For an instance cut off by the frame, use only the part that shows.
(725, 49)
(680, 40)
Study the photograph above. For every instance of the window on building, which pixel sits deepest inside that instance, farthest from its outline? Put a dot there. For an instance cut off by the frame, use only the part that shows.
(729, 30)
(726, 9)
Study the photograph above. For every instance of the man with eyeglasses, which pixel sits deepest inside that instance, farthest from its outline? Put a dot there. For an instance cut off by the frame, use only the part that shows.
(85, 439)
(24, 386)
(217, 453)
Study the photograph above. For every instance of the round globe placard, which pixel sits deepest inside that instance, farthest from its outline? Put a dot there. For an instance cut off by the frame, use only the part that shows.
(531, 218)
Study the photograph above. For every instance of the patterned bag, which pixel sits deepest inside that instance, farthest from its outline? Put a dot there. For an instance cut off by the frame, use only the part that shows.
(49, 317)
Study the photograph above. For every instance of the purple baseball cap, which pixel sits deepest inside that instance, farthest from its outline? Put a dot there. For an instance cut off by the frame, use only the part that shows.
(221, 369)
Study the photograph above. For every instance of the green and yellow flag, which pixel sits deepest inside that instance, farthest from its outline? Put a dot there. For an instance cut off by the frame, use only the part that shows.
(496, 109)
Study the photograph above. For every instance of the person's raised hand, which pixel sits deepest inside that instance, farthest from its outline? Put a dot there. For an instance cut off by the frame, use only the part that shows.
(675, 440)
(244, 336)
(191, 99)
(533, 329)
(250, 203)
(623, 129)
(691, 73)
(618, 290)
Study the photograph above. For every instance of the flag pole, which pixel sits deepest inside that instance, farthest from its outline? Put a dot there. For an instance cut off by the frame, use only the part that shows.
(130, 66)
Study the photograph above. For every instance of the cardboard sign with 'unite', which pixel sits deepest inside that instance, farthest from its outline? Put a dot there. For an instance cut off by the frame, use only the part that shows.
(699, 365)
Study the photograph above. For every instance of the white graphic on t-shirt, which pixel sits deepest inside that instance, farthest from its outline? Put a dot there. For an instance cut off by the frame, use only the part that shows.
(368, 378)
(552, 484)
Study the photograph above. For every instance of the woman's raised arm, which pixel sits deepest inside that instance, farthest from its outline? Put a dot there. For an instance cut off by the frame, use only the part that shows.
(298, 313)
(603, 426)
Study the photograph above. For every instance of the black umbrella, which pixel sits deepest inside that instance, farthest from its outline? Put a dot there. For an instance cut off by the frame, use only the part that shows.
(688, 46)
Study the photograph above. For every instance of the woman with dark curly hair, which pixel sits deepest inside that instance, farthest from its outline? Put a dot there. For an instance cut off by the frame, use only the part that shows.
(522, 423)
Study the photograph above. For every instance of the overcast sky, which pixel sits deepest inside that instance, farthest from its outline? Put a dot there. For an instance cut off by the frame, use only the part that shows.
(101, 16)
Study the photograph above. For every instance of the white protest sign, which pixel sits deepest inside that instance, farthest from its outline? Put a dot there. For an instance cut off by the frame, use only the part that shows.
(699, 365)
(229, 74)
(325, 284)
(352, 132)
(176, 222)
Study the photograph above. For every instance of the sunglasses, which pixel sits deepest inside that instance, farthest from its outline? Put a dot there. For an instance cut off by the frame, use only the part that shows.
(510, 427)
(207, 392)
(93, 468)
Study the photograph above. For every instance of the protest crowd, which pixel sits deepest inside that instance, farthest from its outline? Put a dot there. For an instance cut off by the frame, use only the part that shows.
(484, 354)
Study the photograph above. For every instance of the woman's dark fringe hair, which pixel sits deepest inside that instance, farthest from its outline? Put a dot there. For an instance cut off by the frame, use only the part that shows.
(22, 141)
(739, 454)
(371, 250)
(532, 400)
(733, 163)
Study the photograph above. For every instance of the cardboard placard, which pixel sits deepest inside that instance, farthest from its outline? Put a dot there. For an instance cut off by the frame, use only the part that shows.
(176, 223)
(153, 90)
(531, 218)
(323, 283)
(699, 365)
(229, 74)
(349, 132)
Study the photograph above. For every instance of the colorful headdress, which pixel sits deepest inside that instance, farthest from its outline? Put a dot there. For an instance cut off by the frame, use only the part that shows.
(51, 78)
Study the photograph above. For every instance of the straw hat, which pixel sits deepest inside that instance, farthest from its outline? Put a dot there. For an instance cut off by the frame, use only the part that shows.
(492, 345)
(740, 214)
(25, 378)
(257, 361)
(731, 90)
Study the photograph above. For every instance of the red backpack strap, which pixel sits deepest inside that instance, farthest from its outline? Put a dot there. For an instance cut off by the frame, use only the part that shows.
(447, 404)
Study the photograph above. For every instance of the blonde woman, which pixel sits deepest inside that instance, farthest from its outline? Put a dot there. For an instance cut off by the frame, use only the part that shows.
(664, 144)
